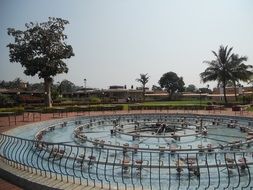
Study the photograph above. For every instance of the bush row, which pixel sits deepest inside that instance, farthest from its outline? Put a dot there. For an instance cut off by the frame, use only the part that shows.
(166, 107)
(83, 108)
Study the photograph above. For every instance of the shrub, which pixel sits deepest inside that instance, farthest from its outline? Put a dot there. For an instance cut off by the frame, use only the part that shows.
(94, 100)
(17, 110)
(6, 101)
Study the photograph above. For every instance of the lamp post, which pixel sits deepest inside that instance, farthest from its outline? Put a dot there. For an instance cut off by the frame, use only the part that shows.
(243, 97)
(17, 99)
(241, 92)
(84, 92)
(200, 97)
(85, 81)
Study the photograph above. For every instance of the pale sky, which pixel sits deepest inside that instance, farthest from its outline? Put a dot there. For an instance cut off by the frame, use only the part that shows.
(116, 40)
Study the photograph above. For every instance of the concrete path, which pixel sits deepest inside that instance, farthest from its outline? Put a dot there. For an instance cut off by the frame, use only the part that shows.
(5, 185)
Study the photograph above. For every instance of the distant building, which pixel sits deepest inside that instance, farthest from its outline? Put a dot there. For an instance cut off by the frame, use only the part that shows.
(140, 88)
(117, 87)
(218, 94)
(24, 96)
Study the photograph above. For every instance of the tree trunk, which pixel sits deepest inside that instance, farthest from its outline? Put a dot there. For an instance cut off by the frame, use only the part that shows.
(143, 93)
(225, 94)
(235, 91)
(47, 87)
(170, 94)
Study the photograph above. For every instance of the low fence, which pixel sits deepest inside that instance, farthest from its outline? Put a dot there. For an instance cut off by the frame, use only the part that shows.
(123, 168)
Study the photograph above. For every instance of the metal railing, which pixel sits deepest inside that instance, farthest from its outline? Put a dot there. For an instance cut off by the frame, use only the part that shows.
(127, 168)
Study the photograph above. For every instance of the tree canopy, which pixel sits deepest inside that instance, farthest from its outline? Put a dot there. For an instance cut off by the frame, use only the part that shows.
(172, 83)
(226, 67)
(240, 71)
(191, 88)
(41, 49)
(16, 83)
(66, 86)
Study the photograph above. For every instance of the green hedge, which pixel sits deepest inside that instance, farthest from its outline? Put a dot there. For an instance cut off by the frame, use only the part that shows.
(17, 110)
(166, 107)
(84, 108)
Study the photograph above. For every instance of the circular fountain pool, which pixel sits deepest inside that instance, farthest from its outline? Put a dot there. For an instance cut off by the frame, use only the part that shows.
(148, 151)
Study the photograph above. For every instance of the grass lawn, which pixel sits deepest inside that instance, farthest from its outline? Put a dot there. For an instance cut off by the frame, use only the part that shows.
(250, 109)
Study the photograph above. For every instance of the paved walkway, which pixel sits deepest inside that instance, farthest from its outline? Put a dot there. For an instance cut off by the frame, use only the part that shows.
(10, 123)
(5, 185)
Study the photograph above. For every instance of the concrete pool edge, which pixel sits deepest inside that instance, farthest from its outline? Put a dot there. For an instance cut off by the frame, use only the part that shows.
(30, 181)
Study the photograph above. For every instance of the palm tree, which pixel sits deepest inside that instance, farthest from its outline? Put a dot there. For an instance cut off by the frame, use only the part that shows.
(218, 69)
(143, 80)
(240, 71)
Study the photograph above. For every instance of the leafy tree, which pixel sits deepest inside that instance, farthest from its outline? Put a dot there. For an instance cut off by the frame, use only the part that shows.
(191, 88)
(6, 100)
(222, 68)
(240, 71)
(172, 83)
(54, 92)
(3, 84)
(16, 83)
(143, 80)
(217, 69)
(41, 49)
(66, 86)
